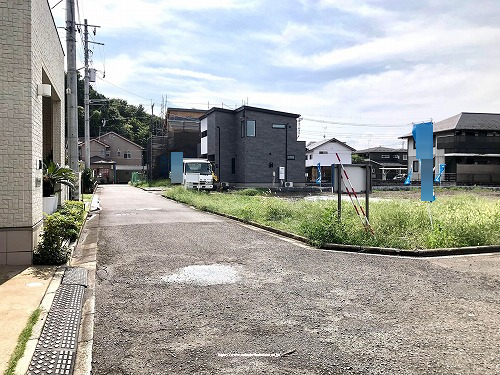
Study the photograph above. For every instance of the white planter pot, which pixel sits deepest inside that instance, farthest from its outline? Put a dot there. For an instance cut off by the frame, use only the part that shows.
(50, 204)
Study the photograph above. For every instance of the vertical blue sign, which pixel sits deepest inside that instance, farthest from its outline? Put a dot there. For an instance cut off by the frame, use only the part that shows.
(176, 167)
(423, 136)
(318, 180)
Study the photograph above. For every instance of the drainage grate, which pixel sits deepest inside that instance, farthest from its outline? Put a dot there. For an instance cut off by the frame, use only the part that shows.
(68, 297)
(52, 362)
(60, 330)
(55, 351)
(75, 275)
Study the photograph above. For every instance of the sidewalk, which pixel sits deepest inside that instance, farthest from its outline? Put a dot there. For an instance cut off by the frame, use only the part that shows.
(22, 289)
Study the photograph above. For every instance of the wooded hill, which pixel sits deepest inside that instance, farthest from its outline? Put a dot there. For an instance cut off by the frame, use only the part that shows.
(132, 122)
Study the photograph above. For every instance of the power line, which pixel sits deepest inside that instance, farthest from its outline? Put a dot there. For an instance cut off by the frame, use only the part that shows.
(118, 87)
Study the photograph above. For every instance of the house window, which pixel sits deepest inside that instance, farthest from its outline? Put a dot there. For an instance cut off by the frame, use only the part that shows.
(385, 156)
(310, 157)
(233, 165)
(279, 126)
(250, 128)
(405, 157)
(102, 152)
(290, 157)
(415, 165)
(127, 155)
(395, 156)
(118, 152)
(108, 154)
(323, 152)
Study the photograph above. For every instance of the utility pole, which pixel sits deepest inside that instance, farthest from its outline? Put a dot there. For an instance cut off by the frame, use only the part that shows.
(86, 99)
(151, 152)
(71, 90)
(86, 96)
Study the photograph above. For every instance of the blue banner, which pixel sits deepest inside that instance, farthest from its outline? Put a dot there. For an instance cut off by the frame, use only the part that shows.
(441, 170)
(318, 180)
(408, 178)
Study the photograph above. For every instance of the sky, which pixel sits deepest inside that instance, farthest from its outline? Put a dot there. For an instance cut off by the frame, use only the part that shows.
(362, 71)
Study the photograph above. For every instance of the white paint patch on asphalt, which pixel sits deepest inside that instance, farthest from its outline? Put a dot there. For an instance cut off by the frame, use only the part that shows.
(212, 274)
(148, 209)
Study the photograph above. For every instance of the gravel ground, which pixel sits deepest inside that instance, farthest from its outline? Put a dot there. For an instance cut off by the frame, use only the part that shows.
(274, 306)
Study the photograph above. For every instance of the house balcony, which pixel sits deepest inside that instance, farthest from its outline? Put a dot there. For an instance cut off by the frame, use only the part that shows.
(466, 144)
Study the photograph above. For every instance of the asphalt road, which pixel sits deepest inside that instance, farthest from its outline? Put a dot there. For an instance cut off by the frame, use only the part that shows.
(250, 302)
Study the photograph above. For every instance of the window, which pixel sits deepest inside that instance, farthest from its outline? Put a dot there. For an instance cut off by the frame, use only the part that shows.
(415, 165)
(279, 126)
(118, 152)
(385, 156)
(127, 155)
(108, 154)
(250, 128)
(395, 156)
(310, 157)
(102, 152)
(233, 165)
(290, 157)
(405, 157)
(323, 152)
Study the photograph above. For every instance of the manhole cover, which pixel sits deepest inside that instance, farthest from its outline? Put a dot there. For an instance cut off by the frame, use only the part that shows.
(212, 274)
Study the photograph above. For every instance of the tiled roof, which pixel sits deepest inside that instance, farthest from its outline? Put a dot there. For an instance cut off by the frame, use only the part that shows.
(467, 121)
(313, 145)
(380, 149)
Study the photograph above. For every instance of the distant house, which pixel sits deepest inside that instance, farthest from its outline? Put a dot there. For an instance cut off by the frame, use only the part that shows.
(385, 162)
(113, 158)
(469, 145)
(325, 152)
(248, 146)
(31, 122)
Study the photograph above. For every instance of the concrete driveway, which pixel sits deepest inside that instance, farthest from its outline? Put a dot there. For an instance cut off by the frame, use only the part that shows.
(184, 292)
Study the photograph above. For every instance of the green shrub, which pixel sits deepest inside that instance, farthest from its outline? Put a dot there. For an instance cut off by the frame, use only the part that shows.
(62, 225)
(88, 181)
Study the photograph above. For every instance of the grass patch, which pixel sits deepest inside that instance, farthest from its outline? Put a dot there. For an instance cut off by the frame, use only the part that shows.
(464, 219)
(21, 343)
(154, 183)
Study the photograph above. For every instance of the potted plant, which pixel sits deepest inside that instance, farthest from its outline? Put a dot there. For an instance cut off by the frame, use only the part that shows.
(54, 174)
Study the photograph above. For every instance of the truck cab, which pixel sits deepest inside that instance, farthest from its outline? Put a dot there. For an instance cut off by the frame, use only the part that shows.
(197, 174)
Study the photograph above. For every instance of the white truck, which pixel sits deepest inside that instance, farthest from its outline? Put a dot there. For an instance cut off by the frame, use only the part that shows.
(197, 174)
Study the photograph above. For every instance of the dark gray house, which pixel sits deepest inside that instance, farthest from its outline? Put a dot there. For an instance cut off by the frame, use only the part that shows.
(248, 146)
(386, 162)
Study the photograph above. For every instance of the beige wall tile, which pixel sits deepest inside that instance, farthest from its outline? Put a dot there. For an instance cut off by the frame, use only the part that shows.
(19, 258)
(3, 242)
(19, 240)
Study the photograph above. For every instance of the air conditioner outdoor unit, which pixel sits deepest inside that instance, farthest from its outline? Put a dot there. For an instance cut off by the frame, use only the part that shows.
(288, 184)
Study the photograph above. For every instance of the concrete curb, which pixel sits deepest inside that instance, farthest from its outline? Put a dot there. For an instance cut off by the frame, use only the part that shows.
(414, 253)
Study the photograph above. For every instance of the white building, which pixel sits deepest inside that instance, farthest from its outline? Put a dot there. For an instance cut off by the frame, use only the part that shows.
(325, 152)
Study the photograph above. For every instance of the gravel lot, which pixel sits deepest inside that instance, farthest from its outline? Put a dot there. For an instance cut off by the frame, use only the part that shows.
(273, 306)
